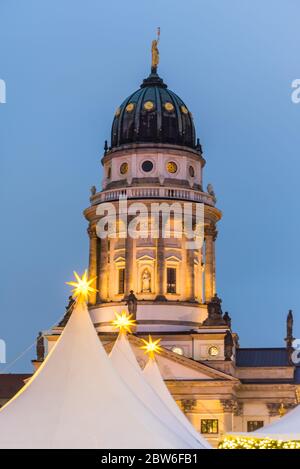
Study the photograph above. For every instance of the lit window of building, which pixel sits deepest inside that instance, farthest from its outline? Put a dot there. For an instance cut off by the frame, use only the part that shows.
(121, 281)
(210, 426)
(253, 425)
(171, 280)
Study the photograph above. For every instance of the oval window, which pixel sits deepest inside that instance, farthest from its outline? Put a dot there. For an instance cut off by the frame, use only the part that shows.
(124, 168)
(191, 171)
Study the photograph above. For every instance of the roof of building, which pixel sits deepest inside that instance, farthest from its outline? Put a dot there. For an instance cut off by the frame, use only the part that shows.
(153, 114)
(297, 375)
(256, 357)
(10, 384)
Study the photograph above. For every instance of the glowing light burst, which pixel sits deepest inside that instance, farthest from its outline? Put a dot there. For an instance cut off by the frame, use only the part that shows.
(151, 346)
(123, 322)
(82, 288)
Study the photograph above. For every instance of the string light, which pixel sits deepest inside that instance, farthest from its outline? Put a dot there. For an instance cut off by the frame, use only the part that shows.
(257, 443)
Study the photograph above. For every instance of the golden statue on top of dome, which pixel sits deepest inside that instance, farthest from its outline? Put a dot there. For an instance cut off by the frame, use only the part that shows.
(155, 53)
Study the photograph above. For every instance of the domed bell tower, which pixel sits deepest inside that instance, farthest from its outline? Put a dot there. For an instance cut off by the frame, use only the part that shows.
(154, 160)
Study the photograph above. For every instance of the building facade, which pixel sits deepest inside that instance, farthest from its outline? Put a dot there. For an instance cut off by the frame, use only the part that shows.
(155, 159)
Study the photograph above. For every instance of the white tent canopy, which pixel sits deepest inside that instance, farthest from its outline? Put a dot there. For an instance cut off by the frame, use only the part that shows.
(76, 399)
(286, 428)
(153, 376)
(127, 366)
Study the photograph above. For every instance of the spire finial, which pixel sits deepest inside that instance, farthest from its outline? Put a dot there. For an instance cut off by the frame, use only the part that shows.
(155, 52)
(289, 329)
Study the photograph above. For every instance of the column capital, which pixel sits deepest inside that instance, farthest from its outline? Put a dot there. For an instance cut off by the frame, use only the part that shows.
(188, 404)
(92, 232)
(233, 406)
(211, 231)
(273, 408)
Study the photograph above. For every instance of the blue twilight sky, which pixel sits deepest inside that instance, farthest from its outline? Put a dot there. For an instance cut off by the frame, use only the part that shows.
(68, 64)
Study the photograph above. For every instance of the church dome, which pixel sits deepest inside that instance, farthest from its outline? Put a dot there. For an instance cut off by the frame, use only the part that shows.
(153, 114)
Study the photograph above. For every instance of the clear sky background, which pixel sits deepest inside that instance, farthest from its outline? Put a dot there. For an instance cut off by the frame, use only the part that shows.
(68, 64)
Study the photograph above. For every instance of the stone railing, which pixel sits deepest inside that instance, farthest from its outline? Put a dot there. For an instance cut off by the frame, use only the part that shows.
(152, 193)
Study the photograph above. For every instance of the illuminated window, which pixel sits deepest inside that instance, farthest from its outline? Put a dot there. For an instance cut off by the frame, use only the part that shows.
(171, 280)
(253, 425)
(121, 280)
(177, 350)
(210, 426)
(172, 167)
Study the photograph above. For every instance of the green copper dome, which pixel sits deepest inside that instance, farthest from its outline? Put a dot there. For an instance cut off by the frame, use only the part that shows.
(153, 114)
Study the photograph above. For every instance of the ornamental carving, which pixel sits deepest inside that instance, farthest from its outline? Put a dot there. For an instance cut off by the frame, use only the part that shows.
(232, 406)
(188, 404)
(215, 314)
(131, 302)
(92, 232)
(273, 408)
(40, 348)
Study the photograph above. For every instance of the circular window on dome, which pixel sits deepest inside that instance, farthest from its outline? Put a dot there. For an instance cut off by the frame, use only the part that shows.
(169, 106)
(213, 351)
(147, 166)
(130, 107)
(172, 167)
(191, 171)
(184, 110)
(149, 105)
(118, 112)
(124, 168)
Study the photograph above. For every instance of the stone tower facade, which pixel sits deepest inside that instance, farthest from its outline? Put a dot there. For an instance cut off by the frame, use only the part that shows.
(154, 160)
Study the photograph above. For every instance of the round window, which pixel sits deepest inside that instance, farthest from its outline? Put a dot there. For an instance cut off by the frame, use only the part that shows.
(147, 166)
(191, 171)
(169, 106)
(172, 167)
(124, 168)
(130, 107)
(213, 351)
(177, 350)
(184, 110)
(148, 105)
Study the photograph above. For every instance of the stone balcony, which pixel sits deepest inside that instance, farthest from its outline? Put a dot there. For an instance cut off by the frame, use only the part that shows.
(153, 193)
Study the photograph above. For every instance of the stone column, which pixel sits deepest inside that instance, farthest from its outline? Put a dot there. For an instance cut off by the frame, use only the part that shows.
(93, 261)
(129, 261)
(188, 405)
(160, 264)
(214, 263)
(190, 270)
(111, 266)
(210, 235)
(103, 270)
(229, 408)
